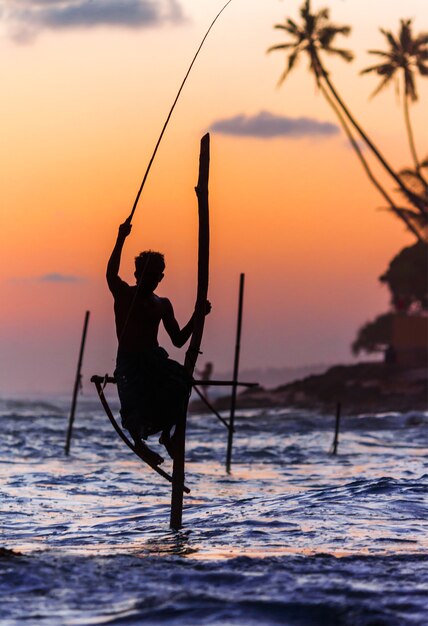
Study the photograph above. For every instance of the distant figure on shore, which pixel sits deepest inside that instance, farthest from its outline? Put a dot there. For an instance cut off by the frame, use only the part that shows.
(153, 389)
(205, 375)
(390, 355)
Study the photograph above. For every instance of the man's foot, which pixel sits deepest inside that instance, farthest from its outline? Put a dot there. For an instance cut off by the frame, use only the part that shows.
(169, 443)
(147, 453)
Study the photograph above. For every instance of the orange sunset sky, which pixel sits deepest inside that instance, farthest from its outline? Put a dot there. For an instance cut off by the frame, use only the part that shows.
(86, 86)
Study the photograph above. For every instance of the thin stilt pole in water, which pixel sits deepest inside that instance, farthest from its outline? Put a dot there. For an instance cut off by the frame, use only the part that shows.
(76, 384)
(235, 375)
(336, 429)
(198, 328)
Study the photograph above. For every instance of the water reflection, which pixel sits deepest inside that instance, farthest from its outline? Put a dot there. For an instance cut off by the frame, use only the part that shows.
(285, 493)
(176, 543)
(290, 528)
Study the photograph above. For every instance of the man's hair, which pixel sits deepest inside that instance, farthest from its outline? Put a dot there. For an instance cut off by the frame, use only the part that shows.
(149, 261)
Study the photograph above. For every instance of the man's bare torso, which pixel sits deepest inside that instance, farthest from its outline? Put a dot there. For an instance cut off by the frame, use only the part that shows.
(138, 316)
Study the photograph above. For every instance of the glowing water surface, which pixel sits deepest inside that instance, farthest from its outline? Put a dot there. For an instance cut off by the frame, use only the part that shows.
(292, 536)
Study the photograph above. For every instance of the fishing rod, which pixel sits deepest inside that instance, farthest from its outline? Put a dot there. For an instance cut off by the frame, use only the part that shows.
(131, 215)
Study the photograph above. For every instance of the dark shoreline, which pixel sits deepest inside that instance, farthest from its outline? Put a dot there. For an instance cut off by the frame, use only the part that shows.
(361, 388)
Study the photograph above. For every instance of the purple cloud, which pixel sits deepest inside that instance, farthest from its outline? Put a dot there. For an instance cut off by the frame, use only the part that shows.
(26, 18)
(56, 277)
(267, 125)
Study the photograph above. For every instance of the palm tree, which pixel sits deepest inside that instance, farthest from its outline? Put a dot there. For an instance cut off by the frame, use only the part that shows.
(316, 35)
(406, 55)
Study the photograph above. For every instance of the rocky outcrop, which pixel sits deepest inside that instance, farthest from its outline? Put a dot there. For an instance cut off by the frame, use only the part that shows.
(360, 388)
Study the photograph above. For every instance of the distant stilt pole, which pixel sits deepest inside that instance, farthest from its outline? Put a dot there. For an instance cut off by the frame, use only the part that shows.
(178, 471)
(336, 430)
(235, 375)
(76, 384)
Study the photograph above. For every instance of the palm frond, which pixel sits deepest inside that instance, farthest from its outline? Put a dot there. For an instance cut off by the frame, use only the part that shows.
(415, 181)
(409, 173)
(405, 34)
(292, 25)
(326, 36)
(380, 68)
(423, 69)
(310, 25)
(391, 39)
(379, 53)
(417, 217)
(347, 55)
(292, 60)
(281, 46)
(323, 14)
(421, 40)
(387, 79)
(287, 29)
(328, 33)
(339, 30)
(305, 9)
(415, 223)
(369, 70)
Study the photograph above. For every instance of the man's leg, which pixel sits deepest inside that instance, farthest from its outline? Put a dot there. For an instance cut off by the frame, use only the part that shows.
(150, 455)
(132, 423)
(168, 441)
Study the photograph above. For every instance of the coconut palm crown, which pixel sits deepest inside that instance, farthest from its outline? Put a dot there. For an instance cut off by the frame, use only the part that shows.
(407, 55)
(314, 35)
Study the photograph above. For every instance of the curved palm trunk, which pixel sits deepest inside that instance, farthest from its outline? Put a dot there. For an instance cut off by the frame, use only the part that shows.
(366, 166)
(417, 202)
(411, 138)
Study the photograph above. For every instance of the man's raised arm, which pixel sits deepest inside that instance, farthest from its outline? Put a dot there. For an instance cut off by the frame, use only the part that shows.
(114, 261)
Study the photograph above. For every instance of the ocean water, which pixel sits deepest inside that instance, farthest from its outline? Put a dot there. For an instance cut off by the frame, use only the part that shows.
(292, 536)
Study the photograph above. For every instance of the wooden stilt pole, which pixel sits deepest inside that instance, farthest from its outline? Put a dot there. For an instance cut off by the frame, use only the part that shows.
(235, 375)
(336, 429)
(198, 327)
(76, 384)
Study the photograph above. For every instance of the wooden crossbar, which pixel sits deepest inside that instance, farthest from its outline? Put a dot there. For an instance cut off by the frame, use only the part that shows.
(200, 383)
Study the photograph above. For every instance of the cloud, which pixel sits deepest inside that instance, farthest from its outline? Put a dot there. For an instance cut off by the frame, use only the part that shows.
(51, 277)
(267, 125)
(55, 277)
(26, 18)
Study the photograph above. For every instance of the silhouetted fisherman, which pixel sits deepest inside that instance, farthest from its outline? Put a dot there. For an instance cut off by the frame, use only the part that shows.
(153, 389)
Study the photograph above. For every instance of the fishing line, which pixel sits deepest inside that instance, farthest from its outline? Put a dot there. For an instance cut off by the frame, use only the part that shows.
(131, 215)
